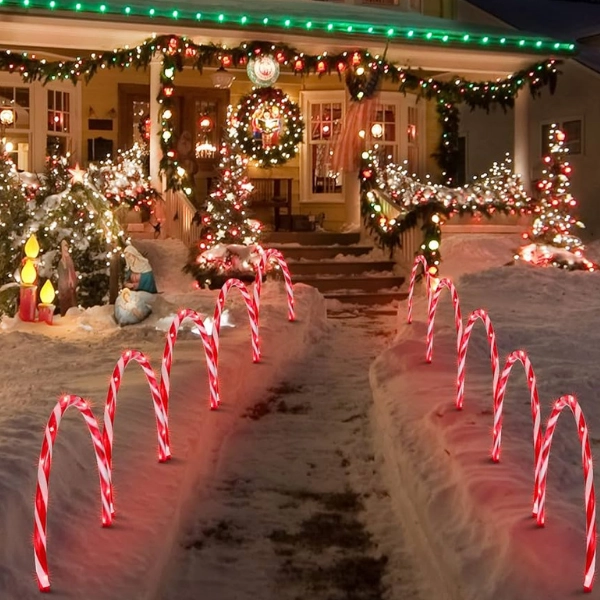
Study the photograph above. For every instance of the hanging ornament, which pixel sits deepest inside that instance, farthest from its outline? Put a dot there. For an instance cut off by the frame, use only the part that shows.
(263, 70)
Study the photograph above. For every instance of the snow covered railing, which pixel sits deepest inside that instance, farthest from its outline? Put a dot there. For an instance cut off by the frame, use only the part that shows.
(541, 445)
(103, 441)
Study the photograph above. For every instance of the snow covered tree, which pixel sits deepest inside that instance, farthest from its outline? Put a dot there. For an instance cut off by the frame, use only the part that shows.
(228, 236)
(552, 241)
(73, 210)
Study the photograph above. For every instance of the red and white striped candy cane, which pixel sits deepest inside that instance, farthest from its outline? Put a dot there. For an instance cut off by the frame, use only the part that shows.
(209, 351)
(162, 424)
(462, 353)
(252, 316)
(43, 483)
(588, 476)
(420, 260)
(513, 357)
(271, 254)
(435, 298)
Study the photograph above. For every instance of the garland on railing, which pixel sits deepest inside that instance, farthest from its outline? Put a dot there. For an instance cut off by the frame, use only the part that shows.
(357, 65)
(415, 201)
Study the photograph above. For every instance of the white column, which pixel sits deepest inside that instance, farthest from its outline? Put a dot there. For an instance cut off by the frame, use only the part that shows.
(352, 200)
(38, 118)
(521, 142)
(155, 151)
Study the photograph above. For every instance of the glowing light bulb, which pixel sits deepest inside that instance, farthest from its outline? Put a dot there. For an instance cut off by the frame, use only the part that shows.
(47, 293)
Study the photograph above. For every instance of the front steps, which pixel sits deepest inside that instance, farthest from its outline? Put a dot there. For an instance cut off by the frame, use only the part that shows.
(338, 266)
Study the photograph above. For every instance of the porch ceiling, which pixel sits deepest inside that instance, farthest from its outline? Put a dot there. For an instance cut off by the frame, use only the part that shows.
(69, 37)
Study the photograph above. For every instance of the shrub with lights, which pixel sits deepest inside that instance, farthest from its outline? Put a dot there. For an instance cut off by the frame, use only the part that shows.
(551, 238)
(227, 247)
(125, 182)
(423, 203)
(267, 127)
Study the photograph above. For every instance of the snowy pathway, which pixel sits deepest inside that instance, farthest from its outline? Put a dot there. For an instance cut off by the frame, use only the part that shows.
(297, 507)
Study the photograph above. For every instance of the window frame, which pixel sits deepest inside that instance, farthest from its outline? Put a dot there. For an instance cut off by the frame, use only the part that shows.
(307, 98)
(560, 123)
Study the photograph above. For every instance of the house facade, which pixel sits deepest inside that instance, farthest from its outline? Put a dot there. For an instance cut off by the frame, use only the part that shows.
(573, 106)
(119, 106)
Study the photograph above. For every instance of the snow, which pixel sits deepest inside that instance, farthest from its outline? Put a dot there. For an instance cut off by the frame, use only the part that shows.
(338, 405)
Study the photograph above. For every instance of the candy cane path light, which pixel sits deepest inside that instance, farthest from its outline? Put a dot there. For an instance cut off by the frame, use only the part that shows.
(110, 407)
(209, 351)
(588, 476)
(252, 316)
(435, 298)
(519, 355)
(422, 261)
(462, 353)
(271, 254)
(43, 481)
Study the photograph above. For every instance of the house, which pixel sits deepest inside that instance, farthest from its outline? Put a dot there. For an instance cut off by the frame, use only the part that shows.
(135, 51)
(574, 104)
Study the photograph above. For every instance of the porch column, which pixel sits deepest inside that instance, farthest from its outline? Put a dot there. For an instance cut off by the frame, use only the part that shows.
(155, 151)
(521, 142)
(352, 200)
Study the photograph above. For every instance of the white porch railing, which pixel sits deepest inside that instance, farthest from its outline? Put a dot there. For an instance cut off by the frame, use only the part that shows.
(411, 239)
(179, 212)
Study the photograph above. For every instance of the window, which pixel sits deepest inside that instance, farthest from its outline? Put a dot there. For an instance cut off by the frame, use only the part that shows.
(573, 130)
(17, 134)
(59, 121)
(321, 180)
(395, 129)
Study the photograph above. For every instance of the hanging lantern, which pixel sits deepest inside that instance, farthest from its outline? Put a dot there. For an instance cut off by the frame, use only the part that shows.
(321, 66)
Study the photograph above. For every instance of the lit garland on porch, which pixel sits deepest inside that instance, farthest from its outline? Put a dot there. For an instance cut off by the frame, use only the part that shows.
(180, 51)
(416, 202)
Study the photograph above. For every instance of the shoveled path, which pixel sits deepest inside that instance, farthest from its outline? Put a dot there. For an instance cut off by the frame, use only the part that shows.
(297, 507)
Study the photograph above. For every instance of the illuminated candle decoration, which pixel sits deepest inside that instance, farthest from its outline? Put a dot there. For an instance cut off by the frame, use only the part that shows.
(28, 289)
(46, 306)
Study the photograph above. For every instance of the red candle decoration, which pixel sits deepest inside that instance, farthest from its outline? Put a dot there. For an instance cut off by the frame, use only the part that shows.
(46, 308)
(28, 291)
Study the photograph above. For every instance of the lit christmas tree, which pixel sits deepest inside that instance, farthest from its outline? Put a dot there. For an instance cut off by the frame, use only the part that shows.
(227, 247)
(552, 241)
(68, 207)
(13, 216)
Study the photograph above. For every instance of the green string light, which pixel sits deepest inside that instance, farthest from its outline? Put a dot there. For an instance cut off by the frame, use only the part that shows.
(265, 20)
(503, 40)
(466, 37)
(445, 38)
(102, 7)
(370, 30)
(198, 16)
(151, 11)
(52, 4)
(287, 22)
(329, 27)
(429, 35)
(221, 18)
(521, 42)
(309, 25)
(175, 14)
(538, 44)
(410, 33)
(485, 40)
(244, 20)
(390, 32)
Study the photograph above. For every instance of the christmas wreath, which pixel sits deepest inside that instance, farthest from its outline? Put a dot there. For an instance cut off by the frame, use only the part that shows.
(267, 127)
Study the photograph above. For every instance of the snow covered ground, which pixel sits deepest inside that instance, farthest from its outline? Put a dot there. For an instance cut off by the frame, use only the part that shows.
(475, 516)
(336, 469)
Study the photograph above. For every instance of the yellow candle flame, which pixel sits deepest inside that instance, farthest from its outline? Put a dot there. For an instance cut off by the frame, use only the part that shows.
(47, 293)
(28, 273)
(32, 248)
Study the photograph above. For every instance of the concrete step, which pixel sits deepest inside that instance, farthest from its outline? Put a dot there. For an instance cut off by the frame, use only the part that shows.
(338, 267)
(319, 252)
(366, 298)
(358, 282)
(310, 238)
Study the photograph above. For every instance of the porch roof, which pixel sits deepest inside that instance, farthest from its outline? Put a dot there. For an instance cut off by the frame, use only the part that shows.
(351, 23)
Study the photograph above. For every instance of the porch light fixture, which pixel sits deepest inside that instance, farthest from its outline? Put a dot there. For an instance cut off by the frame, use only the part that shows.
(222, 78)
(7, 117)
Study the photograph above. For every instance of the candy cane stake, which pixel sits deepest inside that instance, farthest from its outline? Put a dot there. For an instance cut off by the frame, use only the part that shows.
(270, 254)
(252, 316)
(462, 353)
(588, 475)
(443, 283)
(162, 425)
(44, 467)
(519, 355)
(422, 261)
(211, 363)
